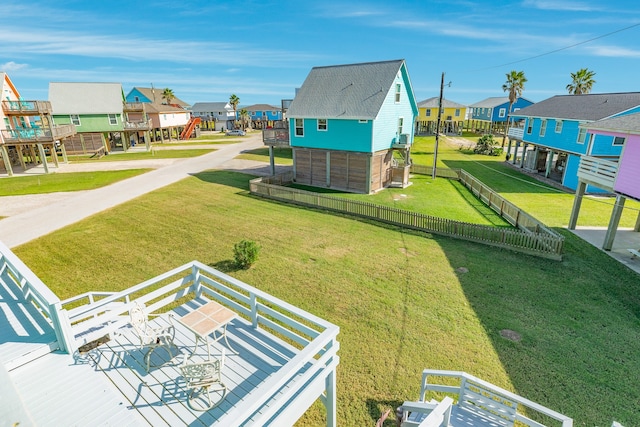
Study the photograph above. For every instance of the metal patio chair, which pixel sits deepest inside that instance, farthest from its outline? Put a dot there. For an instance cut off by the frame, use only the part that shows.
(150, 337)
(202, 379)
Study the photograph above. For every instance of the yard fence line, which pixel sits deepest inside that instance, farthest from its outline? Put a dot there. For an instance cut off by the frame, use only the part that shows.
(531, 236)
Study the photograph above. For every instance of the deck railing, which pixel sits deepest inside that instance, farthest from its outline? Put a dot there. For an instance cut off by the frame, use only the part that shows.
(516, 132)
(138, 125)
(26, 107)
(14, 272)
(483, 398)
(597, 171)
(531, 236)
(34, 135)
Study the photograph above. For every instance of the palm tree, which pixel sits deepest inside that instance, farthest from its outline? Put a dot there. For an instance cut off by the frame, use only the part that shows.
(167, 94)
(582, 82)
(514, 85)
(234, 101)
(244, 118)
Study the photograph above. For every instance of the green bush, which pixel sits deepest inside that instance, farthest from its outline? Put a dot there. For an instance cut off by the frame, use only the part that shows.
(245, 252)
(488, 146)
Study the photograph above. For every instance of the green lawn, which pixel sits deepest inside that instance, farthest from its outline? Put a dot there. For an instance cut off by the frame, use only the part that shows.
(282, 155)
(401, 299)
(55, 182)
(146, 155)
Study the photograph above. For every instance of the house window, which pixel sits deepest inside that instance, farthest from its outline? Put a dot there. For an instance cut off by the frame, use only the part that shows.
(428, 112)
(253, 113)
(113, 120)
(582, 135)
(136, 98)
(502, 112)
(264, 114)
(618, 140)
(299, 124)
(457, 112)
(363, 121)
(400, 123)
(75, 119)
(558, 126)
(322, 124)
(543, 127)
(529, 127)
(398, 88)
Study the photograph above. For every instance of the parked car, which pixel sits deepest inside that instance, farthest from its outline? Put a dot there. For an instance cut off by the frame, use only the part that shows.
(236, 132)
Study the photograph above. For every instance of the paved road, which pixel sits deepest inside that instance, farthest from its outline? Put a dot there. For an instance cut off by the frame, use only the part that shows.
(39, 215)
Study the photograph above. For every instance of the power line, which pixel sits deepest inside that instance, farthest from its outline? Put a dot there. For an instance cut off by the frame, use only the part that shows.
(562, 48)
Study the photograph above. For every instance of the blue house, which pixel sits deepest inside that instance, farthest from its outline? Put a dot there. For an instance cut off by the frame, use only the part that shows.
(153, 96)
(490, 115)
(351, 126)
(553, 139)
(262, 115)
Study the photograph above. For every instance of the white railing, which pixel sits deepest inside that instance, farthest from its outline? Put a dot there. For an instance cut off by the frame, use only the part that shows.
(516, 132)
(16, 273)
(138, 125)
(488, 400)
(597, 171)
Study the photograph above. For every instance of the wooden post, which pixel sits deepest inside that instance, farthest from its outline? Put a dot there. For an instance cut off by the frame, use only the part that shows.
(272, 160)
(515, 152)
(524, 154)
(613, 222)
(43, 157)
(549, 164)
(577, 201)
(5, 158)
(435, 150)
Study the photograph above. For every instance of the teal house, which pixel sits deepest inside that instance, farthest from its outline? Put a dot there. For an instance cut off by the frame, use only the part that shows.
(351, 127)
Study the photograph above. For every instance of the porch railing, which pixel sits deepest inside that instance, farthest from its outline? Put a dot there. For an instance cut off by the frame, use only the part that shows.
(516, 132)
(137, 125)
(599, 172)
(33, 135)
(26, 107)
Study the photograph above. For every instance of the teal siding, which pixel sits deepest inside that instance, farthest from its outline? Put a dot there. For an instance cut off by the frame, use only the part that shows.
(385, 128)
(342, 135)
(131, 97)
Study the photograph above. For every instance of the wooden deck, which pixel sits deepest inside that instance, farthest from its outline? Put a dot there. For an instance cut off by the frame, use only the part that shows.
(278, 360)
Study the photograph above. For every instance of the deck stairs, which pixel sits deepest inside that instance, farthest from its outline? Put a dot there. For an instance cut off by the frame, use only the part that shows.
(190, 127)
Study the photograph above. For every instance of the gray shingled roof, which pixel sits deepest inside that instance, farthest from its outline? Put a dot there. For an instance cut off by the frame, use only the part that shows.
(433, 103)
(85, 98)
(629, 123)
(490, 102)
(352, 91)
(261, 107)
(588, 107)
(208, 106)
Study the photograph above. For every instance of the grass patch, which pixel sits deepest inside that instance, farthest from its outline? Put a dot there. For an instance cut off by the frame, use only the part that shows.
(399, 297)
(282, 155)
(146, 155)
(54, 182)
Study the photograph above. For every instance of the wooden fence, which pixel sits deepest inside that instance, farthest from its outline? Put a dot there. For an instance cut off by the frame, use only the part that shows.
(527, 238)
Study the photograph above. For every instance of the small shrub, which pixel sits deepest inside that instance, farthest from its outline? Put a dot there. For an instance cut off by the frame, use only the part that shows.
(487, 145)
(245, 253)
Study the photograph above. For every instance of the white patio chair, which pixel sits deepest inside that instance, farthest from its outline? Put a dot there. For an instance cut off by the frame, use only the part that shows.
(150, 337)
(202, 379)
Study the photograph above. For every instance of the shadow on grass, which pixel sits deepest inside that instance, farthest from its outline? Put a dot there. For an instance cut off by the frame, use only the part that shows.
(228, 178)
(226, 266)
(496, 175)
(477, 204)
(373, 407)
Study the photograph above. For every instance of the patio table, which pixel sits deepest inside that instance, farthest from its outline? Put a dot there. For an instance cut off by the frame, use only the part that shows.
(206, 321)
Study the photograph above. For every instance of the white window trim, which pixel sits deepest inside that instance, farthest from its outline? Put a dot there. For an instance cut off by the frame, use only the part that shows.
(326, 125)
(582, 132)
(115, 119)
(400, 125)
(618, 138)
(559, 126)
(296, 127)
(397, 93)
(543, 127)
(77, 116)
(502, 113)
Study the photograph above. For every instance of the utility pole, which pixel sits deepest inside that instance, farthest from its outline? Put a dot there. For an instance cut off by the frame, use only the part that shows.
(435, 150)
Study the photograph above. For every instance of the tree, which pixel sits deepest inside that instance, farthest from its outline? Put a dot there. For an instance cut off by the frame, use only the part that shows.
(514, 85)
(581, 82)
(244, 118)
(234, 101)
(167, 94)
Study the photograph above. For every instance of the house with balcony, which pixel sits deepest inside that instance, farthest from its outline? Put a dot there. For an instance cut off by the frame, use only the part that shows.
(150, 95)
(28, 135)
(551, 136)
(262, 116)
(96, 111)
(217, 116)
(489, 116)
(167, 122)
(451, 120)
(620, 176)
(351, 127)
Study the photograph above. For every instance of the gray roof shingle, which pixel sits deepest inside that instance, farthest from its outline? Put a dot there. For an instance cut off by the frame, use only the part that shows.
(433, 103)
(629, 123)
(492, 102)
(352, 91)
(589, 107)
(207, 107)
(85, 98)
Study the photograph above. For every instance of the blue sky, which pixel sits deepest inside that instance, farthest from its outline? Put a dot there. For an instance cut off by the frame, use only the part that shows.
(262, 50)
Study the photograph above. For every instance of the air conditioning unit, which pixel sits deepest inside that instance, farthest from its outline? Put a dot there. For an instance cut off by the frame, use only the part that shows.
(404, 138)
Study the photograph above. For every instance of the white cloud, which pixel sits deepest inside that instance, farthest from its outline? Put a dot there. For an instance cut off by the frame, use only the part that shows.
(12, 66)
(571, 6)
(613, 51)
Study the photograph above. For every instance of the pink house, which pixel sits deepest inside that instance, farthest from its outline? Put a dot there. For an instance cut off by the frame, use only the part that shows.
(622, 178)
